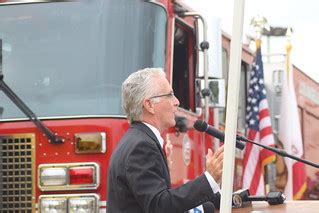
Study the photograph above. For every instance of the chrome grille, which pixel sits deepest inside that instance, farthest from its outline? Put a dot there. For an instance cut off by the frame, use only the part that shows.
(17, 172)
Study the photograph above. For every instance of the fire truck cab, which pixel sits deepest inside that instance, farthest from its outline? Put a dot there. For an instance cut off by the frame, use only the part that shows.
(62, 65)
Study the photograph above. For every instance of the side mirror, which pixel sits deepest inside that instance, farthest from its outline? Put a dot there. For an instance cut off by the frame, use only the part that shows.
(215, 91)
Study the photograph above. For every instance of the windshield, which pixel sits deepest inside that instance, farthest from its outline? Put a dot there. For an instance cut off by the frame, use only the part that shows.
(70, 59)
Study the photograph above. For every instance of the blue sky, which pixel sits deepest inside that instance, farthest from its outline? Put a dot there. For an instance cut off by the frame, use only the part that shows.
(302, 16)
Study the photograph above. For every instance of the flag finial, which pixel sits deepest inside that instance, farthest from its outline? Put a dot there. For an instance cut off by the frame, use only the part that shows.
(288, 42)
(288, 50)
(259, 23)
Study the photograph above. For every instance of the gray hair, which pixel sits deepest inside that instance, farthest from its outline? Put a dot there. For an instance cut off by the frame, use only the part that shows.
(138, 86)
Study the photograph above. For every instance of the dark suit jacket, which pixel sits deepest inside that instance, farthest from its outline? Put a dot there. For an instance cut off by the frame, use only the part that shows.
(139, 181)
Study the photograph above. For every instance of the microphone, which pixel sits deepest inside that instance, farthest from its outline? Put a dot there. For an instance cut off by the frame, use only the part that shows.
(202, 126)
(242, 198)
(208, 207)
(273, 198)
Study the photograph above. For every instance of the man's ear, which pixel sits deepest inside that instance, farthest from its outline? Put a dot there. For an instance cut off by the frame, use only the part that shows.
(148, 106)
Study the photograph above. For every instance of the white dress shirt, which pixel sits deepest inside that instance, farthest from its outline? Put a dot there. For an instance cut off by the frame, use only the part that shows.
(215, 187)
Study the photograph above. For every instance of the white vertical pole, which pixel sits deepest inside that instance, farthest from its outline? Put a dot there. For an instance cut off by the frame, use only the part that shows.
(216, 124)
(232, 106)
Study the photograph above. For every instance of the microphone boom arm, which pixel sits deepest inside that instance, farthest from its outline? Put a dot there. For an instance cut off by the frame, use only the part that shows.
(281, 152)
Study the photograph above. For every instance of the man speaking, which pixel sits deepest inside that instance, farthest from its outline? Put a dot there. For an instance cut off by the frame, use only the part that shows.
(138, 177)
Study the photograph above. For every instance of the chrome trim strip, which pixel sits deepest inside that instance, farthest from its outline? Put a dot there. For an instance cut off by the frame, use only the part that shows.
(157, 2)
(68, 187)
(102, 202)
(67, 196)
(172, 49)
(33, 169)
(66, 117)
(31, 2)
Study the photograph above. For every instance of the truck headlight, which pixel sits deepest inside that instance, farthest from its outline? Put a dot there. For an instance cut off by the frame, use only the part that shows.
(53, 177)
(69, 203)
(86, 205)
(56, 205)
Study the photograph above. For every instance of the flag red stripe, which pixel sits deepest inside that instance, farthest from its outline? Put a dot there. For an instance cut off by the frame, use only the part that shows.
(246, 156)
(265, 131)
(256, 178)
(263, 113)
(251, 135)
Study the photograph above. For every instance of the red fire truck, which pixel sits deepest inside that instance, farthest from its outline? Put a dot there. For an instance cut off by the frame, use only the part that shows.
(62, 64)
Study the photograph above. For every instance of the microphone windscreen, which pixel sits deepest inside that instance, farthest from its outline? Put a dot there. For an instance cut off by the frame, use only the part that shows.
(208, 207)
(200, 125)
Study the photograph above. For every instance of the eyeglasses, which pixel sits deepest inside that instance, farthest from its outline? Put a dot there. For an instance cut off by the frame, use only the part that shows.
(171, 94)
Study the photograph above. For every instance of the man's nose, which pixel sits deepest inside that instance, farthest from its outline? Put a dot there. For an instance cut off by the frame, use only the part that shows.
(176, 101)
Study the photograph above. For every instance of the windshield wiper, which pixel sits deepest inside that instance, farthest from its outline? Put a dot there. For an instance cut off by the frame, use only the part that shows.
(54, 139)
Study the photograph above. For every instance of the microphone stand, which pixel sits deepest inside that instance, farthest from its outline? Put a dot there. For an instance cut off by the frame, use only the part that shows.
(280, 152)
(242, 198)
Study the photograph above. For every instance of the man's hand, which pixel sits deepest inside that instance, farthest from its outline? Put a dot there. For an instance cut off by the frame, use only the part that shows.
(214, 163)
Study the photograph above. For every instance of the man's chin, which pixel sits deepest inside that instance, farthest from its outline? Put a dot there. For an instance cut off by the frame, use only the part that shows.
(173, 123)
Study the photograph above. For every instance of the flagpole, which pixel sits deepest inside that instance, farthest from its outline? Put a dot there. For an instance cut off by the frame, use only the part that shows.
(288, 50)
(290, 132)
(232, 106)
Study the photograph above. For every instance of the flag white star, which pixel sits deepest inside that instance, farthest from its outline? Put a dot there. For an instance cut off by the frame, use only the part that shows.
(252, 122)
(264, 91)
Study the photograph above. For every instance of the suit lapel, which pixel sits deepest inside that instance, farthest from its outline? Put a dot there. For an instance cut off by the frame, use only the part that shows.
(149, 132)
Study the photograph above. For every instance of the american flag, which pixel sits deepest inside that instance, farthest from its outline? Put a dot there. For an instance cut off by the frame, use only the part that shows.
(258, 124)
